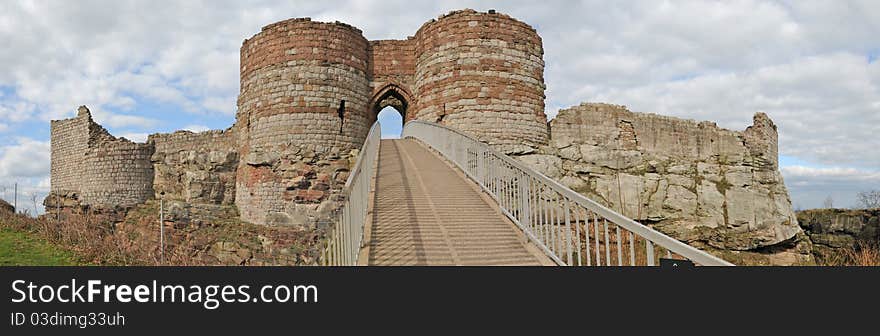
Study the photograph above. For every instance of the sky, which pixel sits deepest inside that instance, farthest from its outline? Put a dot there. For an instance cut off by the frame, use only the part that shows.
(156, 66)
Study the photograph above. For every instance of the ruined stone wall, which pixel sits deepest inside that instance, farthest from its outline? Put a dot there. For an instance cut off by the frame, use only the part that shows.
(195, 167)
(692, 180)
(95, 168)
(69, 141)
(482, 73)
(119, 173)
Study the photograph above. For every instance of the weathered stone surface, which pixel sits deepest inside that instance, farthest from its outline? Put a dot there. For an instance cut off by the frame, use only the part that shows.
(570, 153)
(262, 158)
(101, 169)
(690, 179)
(296, 218)
(231, 253)
(549, 165)
(195, 167)
(833, 231)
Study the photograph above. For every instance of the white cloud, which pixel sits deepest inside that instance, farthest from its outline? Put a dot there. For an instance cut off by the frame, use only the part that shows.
(24, 167)
(196, 128)
(136, 137)
(832, 172)
(810, 186)
(24, 159)
(122, 120)
(804, 63)
(823, 105)
(14, 110)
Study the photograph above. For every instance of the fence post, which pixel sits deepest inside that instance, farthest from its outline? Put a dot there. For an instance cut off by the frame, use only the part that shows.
(15, 199)
(162, 227)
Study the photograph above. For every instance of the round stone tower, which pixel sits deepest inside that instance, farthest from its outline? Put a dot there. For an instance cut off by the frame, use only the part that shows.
(296, 77)
(482, 73)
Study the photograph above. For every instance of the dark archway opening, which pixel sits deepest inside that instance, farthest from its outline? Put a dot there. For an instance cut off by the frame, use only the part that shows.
(390, 107)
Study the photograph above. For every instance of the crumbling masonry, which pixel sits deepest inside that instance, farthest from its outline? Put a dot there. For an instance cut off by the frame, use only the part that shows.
(288, 152)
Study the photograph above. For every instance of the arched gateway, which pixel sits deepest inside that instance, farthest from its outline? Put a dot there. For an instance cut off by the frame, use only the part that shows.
(479, 72)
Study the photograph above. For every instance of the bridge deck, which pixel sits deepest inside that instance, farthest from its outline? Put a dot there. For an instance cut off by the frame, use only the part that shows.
(427, 213)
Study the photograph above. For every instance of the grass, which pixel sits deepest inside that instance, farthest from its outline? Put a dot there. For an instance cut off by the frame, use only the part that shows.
(19, 248)
(98, 238)
(858, 255)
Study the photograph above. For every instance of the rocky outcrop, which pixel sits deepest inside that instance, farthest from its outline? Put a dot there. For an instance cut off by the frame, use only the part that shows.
(832, 231)
(292, 185)
(711, 187)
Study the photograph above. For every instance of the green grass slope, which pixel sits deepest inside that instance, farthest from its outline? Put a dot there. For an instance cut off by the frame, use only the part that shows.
(22, 249)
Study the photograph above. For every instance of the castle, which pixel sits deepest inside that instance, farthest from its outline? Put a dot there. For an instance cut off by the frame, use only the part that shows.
(310, 91)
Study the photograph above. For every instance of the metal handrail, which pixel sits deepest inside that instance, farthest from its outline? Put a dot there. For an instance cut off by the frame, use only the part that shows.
(345, 238)
(560, 221)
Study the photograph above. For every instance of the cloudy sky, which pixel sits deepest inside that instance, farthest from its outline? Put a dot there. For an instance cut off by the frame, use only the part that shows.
(154, 66)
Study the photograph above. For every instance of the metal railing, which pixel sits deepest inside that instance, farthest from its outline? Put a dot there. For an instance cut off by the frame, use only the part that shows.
(344, 240)
(570, 228)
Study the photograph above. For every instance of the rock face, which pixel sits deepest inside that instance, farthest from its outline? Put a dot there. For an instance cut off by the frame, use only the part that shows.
(293, 185)
(692, 180)
(195, 167)
(833, 230)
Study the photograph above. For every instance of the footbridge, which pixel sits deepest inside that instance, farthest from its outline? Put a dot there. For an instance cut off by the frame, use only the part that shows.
(440, 197)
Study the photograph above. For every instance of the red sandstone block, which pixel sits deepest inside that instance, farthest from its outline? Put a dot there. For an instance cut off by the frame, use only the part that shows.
(323, 177)
(309, 195)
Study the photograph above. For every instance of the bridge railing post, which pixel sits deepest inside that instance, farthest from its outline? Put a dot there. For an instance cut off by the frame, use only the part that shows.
(524, 192)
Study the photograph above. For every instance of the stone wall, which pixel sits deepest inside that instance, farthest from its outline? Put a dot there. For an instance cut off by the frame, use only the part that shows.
(119, 173)
(479, 72)
(195, 167)
(95, 168)
(482, 73)
(292, 186)
(393, 66)
(833, 231)
(693, 180)
(69, 141)
(294, 76)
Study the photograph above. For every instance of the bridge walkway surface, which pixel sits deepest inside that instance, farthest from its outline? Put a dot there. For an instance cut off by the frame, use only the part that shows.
(426, 212)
